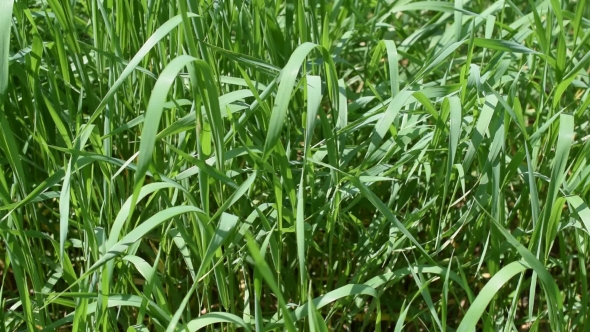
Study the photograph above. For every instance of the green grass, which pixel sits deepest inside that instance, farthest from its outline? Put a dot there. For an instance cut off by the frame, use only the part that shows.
(281, 165)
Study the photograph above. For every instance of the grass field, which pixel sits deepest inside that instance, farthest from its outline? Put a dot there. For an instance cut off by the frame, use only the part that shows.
(282, 165)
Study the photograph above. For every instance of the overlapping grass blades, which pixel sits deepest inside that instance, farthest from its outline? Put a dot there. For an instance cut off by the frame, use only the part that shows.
(288, 165)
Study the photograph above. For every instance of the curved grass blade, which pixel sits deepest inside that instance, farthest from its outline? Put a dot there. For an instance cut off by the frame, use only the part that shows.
(329, 298)
(158, 35)
(397, 275)
(286, 87)
(553, 296)
(139, 232)
(134, 236)
(477, 308)
(383, 125)
(125, 210)
(392, 59)
(115, 300)
(5, 24)
(581, 209)
(503, 45)
(214, 318)
(151, 278)
(152, 120)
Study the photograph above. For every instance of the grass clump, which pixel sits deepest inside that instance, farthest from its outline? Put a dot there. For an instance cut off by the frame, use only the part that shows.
(294, 165)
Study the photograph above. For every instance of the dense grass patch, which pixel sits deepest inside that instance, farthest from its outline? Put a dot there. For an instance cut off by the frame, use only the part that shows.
(312, 165)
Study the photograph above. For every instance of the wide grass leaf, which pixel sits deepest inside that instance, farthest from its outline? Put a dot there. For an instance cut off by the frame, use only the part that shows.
(503, 45)
(477, 308)
(214, 318)
(286, 86)
(5, 23)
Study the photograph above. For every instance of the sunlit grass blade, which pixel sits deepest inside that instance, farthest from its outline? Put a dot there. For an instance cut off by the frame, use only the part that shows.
(158, 35)
(6, 22)
(64, 202)
(213, 318)
(477, 308)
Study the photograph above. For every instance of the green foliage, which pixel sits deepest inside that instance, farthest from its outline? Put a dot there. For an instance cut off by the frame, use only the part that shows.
(294, 165)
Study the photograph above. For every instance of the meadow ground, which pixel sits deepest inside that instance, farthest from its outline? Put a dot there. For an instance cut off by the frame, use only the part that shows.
(283, 165)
